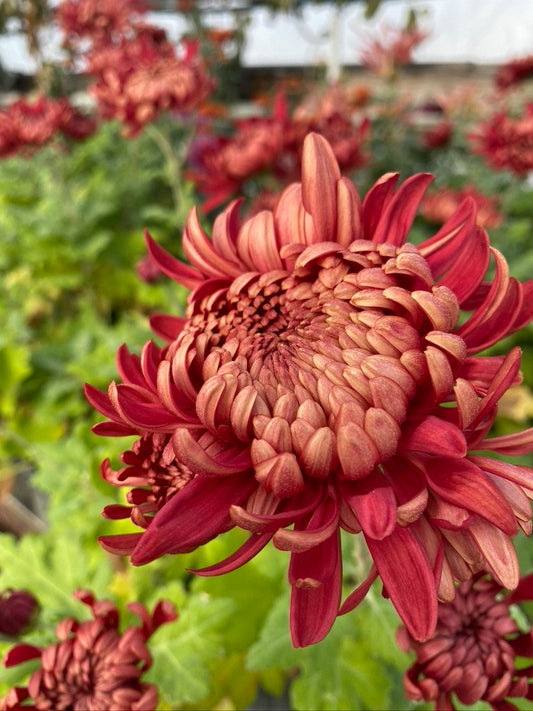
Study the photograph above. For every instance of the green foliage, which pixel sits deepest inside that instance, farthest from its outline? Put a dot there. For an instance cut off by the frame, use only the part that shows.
(353, 668)
(183, 650)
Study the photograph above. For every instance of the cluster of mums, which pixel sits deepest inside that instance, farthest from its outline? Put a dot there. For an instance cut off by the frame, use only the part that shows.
(326, 377)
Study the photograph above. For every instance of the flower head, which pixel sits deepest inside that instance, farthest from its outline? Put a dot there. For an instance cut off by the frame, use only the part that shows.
(512, 73)
(92, 665)
(99, 20)
(323, 379)
(29, 125)
(506, 142)
(473, 653)
(394, 49)
(140, 77)
(18, 609)
(438, 135)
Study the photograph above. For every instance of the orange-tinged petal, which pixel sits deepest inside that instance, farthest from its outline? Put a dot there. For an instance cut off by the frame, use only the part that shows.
(320, 174)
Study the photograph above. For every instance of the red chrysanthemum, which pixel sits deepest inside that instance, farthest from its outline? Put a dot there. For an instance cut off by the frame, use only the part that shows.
(220, 165)
(514, 72)
(30, 125)
(473, 653)
(323, 378)
(18, 609)
(98, 20)
(393, 49)
(440, 205)
(92, 665)
(438, 135)
(506, 142)
(139, 78)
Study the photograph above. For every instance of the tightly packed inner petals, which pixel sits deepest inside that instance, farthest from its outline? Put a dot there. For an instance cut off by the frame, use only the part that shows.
(321, 379)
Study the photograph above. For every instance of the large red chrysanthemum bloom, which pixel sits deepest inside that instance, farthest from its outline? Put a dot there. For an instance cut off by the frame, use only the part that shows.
(325, 378)
(473, 653)
(92, 665)
(440, 205)
(505, 142)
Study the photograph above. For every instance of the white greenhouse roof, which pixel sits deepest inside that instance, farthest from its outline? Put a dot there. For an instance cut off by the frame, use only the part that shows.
(462, 31)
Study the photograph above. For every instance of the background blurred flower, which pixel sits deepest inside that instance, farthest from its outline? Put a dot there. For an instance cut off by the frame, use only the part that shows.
(439, 206)
(26, 125)
(474, 652)
(98, 20)
(141, 77)
(93, 665)
(18, 610)
(321, 378)
(512, 73)
(383, 55)
(438, 135)
(506, 142)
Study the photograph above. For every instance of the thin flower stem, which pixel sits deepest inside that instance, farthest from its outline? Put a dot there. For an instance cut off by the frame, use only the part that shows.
(174, 162)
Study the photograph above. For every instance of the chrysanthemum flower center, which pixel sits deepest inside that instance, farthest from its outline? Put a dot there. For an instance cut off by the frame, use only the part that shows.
(471, 644)
(316, 367)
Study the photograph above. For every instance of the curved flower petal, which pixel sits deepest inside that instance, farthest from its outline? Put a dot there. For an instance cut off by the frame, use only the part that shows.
(404, 568)
(197, 513)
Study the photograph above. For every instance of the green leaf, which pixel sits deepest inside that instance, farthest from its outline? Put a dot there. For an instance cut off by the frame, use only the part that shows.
(371, 7)
(14, 366)
(183, 650)
(52, 567)
(357, 667)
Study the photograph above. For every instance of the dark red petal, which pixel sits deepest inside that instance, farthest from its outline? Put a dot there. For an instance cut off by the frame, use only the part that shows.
(523, 593)
(258, 523)
(113, 429)
(463, 483)
(513, 445)
(194, 515)
(302, 539)
(116, 512)
(20, 654)
(172, 267)
(396, 220)
(376, 201)
(359, 594)
(144, 415)
(408, 578)
(100, 401)
(315, 603)
(123, 544)
(435, 436)
(459, 253)
(191, 453)
(523, 476)
(242, 555)
(503, 379)
(373, 502)
(129, 367)
(167, 327)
